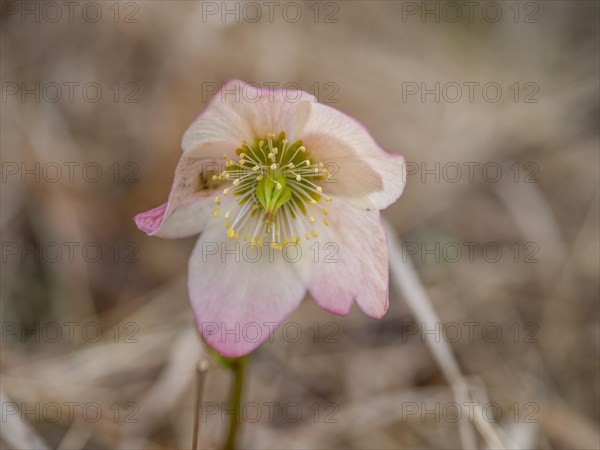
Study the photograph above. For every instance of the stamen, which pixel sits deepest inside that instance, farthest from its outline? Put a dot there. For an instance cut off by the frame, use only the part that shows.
(277, 208)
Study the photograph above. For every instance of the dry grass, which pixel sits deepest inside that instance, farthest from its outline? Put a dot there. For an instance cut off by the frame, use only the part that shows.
(375, 368)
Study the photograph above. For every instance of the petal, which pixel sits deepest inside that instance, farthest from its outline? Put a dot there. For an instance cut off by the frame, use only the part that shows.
(239, 293)
(190, 202)
(351, 261)
(363, 173)
(240, 112)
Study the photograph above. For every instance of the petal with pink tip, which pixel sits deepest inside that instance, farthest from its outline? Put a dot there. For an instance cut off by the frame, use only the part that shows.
(241, 112)
(238, 297)
(362, 172)
(189, 205)
(352, 261)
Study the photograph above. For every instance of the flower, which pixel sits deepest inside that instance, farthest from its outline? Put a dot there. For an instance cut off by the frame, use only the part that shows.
(286, 194)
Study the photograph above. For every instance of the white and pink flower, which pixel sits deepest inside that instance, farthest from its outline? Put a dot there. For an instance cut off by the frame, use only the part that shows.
(286, 196)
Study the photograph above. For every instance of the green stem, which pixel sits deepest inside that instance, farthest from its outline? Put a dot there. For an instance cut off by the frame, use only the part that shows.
(238, 367)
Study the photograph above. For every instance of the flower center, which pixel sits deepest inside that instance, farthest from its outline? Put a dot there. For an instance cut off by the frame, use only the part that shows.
(278, 190)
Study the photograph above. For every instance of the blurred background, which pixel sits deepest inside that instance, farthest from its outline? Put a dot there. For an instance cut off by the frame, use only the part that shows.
(495, 106)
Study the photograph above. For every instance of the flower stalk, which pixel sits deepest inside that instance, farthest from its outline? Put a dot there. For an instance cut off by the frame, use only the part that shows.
(238, 368)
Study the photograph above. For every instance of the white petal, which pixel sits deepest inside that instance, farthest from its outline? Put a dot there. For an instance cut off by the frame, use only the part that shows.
(240, 294)
(189, 204)
(239, 112)
(363, 173)
(352, 261)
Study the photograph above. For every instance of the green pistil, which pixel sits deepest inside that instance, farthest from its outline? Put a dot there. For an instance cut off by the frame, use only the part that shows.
(272, 193)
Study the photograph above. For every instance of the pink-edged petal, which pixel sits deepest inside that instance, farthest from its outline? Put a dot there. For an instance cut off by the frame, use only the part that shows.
(238, 297)
(241, 112)
(187, 219)
(189, 204)
(363, 173)
(352, 261)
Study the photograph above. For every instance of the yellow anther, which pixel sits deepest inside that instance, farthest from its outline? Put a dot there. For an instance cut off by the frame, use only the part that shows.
(278, 185)
(230, 233)
(215, 177)
(227, 214)
(236, 181)
(311, 219)
(298, 178)
(314, 233)
(255, 168)
(225, 191)
(216, 212)
(217, 200)
(307, 236)
(242, 162)
(258, 178)
(326, 222)
(274, 166)
(302, 148)
(319, 189)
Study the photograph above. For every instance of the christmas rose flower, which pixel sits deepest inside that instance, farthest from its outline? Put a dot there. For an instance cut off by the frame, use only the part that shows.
(285, 193)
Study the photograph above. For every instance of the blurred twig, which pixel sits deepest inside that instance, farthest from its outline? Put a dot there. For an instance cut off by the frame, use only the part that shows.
(407, 281)
(201, 370)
